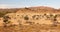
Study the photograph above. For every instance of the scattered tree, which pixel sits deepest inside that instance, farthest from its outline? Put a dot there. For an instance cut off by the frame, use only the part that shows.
(6, 21)
(26, 18)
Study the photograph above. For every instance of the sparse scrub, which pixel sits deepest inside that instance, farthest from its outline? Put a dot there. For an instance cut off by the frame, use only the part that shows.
(33, 27)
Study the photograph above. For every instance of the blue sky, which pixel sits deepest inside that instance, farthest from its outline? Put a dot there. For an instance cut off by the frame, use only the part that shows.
(29, 3)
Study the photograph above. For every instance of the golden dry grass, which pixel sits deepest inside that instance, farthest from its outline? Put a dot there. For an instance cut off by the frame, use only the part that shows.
(31, 28)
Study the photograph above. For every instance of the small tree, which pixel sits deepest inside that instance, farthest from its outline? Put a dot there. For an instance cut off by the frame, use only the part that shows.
(26, 18)
(26, 8)
(6, 21)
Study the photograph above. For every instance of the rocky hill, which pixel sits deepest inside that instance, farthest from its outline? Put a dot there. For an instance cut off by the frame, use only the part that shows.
(45, 17)
(34, 15)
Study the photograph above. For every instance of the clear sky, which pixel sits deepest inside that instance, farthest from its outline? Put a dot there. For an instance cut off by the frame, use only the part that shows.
(27, 3)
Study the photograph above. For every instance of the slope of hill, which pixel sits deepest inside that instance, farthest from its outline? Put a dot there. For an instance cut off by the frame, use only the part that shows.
(32, 19)
(41, 15)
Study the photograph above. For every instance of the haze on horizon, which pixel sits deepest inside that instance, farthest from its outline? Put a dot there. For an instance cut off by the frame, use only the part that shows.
(29, 3)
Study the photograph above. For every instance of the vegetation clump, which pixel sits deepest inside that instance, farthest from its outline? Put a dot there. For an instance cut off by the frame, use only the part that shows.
(26, 18)
(6, 21)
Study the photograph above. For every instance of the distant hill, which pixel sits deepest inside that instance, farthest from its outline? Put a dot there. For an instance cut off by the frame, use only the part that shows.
(5, 11)
(40, 9)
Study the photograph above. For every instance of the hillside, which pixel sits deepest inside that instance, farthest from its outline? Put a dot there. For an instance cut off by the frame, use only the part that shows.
(32, 19)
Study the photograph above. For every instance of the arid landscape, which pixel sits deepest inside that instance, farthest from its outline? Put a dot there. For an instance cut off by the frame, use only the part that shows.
(31, 19)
